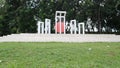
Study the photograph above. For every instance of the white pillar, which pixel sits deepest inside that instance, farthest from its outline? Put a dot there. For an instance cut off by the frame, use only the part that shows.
(40, 28)
(83, 28)
(47, 26)
(64, 25)
(60, 23)
(55, 25)
(73, 29)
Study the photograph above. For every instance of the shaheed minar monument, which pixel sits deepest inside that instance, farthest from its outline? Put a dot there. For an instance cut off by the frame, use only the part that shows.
(60, 25)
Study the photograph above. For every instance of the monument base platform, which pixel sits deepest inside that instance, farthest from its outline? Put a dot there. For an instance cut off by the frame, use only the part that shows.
(27, 37)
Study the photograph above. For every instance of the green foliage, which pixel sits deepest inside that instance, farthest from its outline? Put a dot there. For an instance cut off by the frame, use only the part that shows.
(17, 16)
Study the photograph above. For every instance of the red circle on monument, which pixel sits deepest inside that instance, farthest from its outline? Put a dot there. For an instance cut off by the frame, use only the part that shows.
(57, 27)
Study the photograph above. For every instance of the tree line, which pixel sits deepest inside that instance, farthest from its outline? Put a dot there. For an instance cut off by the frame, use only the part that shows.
(19, 16)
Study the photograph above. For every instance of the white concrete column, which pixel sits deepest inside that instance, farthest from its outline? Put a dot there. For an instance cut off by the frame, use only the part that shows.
(79, 29)
(55, 25)
(83, 28)
(60, 22)
(47, 26)
(64, 25)
(40, 28)
(73, 29)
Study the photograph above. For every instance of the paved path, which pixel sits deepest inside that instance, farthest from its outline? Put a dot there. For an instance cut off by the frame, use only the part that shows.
(60, 38)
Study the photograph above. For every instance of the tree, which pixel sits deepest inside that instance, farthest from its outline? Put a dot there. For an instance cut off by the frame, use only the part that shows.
(4, 25)
(111, 14)
(18, 16)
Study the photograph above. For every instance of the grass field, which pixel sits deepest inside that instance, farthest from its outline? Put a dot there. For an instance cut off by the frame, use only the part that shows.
(59, 55)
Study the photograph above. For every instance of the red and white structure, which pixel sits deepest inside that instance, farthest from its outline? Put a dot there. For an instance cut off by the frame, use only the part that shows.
(60, 22)
(60, 25)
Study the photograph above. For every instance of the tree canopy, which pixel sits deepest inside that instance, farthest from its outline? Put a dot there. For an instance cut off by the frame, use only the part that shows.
(18, 16)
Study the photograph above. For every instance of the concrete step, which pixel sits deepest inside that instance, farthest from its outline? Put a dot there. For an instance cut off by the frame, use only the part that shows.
(27, 37)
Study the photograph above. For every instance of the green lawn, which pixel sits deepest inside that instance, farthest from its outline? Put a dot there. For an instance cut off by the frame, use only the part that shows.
(59, 55)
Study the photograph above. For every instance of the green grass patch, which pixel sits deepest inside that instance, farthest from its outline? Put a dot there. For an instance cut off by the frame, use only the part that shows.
(59, 55)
